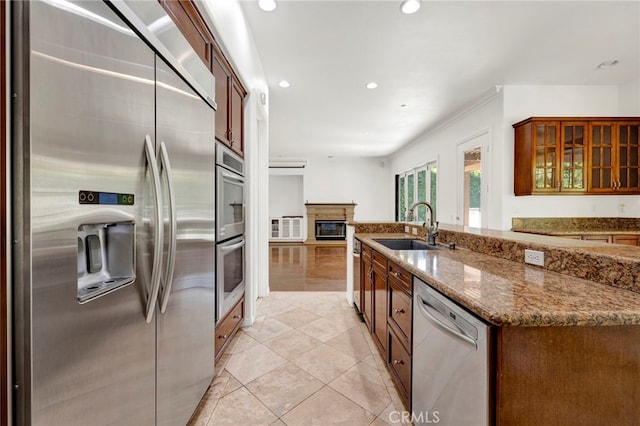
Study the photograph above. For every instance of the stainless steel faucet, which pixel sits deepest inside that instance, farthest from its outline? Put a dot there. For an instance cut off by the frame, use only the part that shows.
(432, 230)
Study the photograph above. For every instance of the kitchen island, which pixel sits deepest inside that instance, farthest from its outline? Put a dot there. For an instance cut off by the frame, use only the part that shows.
(564, 349)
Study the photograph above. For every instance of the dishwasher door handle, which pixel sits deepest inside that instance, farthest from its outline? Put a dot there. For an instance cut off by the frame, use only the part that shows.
(423, 305)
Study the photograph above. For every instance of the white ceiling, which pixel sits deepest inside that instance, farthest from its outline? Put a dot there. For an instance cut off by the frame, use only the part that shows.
(434, 62)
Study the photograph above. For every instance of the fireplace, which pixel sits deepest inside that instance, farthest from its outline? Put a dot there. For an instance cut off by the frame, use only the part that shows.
(331, 230)
(327, 222)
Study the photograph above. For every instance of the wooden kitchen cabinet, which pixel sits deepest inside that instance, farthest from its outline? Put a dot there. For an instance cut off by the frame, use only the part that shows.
(615, 165)
(227, 327)
(625, 239)
(577, 155)
(400, 329)
(387, 306)
(567, 375)
(399, 365)
(597, 237)
(549, 156)
(367, 286)
(230, 95)
(187, 17)
(380, 300)
(628, 240)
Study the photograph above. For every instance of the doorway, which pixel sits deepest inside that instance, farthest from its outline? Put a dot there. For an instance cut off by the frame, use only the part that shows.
(472, 207)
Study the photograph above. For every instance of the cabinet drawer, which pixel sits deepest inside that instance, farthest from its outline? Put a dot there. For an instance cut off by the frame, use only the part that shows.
(399, 364)
(400, 308)
(226, 328)
(629, 240)
(379, 260)
(400, 277)
(366, 251)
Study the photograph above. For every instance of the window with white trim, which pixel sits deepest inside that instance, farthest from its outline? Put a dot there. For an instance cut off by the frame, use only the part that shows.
(418, 184)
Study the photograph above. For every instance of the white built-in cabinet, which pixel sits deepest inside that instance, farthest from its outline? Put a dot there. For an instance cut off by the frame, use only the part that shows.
(286, 228)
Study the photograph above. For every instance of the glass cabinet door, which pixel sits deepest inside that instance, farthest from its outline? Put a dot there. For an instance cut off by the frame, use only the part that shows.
(546, 156)
(628, 156)
(601, 157)
(275, 228)
(573, 157)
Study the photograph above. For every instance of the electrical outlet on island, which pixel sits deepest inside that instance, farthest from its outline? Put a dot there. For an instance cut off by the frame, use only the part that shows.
(534, 257)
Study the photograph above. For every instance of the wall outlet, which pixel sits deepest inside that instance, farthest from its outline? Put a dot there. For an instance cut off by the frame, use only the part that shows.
(414, 231)
(406, 229)
(534, 257)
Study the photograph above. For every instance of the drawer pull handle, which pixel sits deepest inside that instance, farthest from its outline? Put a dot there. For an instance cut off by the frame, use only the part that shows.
(398, 361)
(236, 317)
(398, 311)
(224, 336)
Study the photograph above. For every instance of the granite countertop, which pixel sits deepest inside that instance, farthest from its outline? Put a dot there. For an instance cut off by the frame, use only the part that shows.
(561, 232)
(577, 225)
(508, 293)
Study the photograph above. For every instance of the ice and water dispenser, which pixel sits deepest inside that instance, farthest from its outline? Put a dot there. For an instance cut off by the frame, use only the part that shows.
(105, 250)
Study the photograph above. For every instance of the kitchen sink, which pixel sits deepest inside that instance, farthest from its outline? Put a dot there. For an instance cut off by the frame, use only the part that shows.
(398, 244)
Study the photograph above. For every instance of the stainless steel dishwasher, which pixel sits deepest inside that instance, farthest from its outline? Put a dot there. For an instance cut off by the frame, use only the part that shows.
(451, 357)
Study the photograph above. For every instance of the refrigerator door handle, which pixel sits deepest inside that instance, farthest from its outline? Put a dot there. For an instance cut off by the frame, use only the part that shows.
(171, 258)
(152, 296)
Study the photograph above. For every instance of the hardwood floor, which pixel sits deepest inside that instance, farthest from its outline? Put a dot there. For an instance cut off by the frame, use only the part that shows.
(299, 267)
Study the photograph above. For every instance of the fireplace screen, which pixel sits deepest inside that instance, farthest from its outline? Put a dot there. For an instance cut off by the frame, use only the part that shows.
(331, 230)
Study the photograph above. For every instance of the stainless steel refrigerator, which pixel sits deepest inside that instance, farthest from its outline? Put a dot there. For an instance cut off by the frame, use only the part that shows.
(113, 180)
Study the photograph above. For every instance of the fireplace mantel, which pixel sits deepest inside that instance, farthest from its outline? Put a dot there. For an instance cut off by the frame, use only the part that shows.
(326, 211)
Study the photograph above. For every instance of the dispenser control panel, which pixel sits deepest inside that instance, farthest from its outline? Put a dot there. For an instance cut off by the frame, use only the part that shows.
(111, 198)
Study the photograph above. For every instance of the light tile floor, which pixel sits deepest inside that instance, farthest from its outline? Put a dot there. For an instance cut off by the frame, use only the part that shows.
(307, 360)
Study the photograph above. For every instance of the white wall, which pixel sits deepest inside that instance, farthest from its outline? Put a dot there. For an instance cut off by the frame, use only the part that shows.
(496, 115)
(630, 99)
(286, 196)
(441, 145)
(365, 181)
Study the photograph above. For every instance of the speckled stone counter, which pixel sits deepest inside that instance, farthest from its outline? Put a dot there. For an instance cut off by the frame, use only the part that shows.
(511, 293)
(576, 225)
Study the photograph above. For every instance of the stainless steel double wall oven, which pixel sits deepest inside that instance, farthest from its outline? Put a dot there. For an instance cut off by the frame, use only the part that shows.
(230, 215)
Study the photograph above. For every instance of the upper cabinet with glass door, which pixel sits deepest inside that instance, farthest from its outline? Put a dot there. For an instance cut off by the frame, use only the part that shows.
(549, 156)
(615, 164)
(576, 155)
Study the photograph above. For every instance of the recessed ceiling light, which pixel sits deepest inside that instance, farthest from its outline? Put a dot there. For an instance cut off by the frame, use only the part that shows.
(267, 5)
(410, 6)
(372, 85)
(608, 64)
(284, 83)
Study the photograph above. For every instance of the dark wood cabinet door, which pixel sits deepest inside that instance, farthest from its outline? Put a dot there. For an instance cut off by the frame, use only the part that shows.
(400, 312)
(628, 157)
(573, 157)
(380, 308)
(601, 172)
(223, 81)
(236, 132)
(399, 364)
(187, 18)
(367, 290)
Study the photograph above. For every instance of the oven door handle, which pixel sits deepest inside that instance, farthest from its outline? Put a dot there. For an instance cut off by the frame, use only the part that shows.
(423, 305)
(232, 247)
